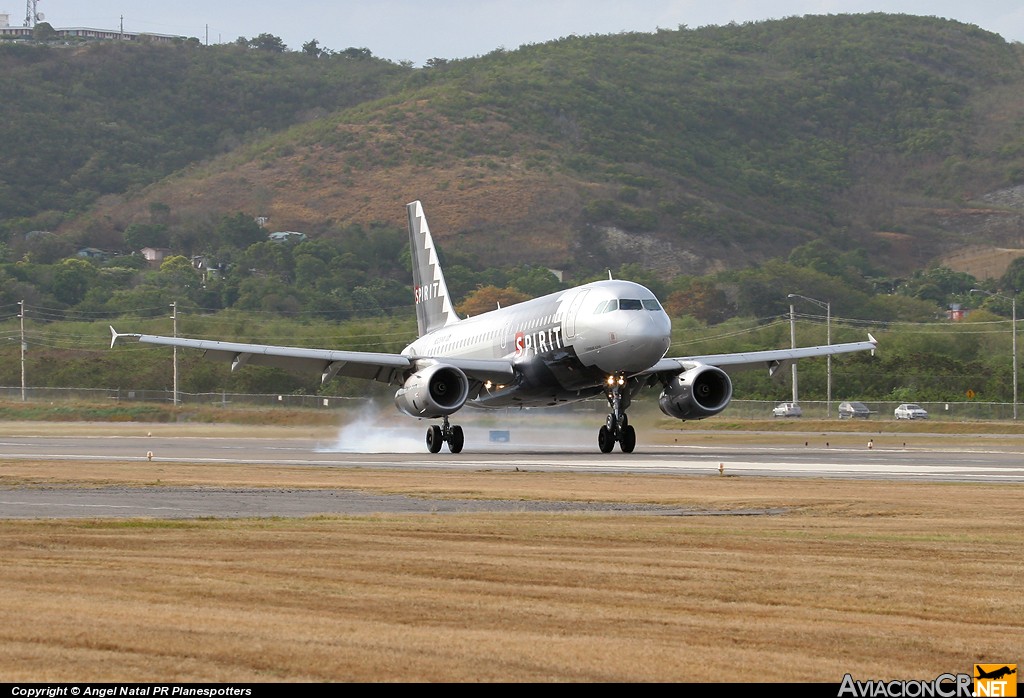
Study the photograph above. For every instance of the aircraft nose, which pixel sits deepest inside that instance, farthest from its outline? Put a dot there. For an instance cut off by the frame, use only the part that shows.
(650, 330)
(647, 339)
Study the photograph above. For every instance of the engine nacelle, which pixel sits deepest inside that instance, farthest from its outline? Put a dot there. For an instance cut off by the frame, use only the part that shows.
(698, 393)
(435, 391)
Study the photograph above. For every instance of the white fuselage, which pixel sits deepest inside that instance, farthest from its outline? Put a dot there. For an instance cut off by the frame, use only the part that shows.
(563, 345)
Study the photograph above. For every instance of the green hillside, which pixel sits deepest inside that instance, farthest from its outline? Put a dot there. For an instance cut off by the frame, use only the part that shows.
(694, 150)
(720, 146)
(108, 118)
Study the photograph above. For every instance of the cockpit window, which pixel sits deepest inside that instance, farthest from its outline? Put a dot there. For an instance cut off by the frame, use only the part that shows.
(626, 304)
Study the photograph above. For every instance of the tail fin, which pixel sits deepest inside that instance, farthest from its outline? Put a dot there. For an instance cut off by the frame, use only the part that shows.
(433, 304)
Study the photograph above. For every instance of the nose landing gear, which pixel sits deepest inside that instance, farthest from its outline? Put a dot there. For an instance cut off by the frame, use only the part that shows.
(617, 427)
(450, 434)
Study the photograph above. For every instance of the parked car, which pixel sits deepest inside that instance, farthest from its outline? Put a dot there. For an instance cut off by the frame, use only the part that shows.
(851, 410)
(909, 410)
(787, 409)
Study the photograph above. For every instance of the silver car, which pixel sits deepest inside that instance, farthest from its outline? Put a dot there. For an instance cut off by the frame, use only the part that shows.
(910, 410)
(853, 410)
(787, 409)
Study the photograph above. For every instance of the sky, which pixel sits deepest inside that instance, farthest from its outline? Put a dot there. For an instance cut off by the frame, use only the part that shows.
(417, 30)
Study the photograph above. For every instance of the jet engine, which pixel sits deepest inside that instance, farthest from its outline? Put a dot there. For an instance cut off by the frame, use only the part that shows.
(701, 392)
(435, 391)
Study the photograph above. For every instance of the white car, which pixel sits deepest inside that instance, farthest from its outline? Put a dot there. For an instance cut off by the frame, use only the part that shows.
(909, 410)
(787, 409)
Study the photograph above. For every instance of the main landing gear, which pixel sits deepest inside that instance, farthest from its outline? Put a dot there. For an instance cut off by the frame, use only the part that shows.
(450, 434)
(617, 426)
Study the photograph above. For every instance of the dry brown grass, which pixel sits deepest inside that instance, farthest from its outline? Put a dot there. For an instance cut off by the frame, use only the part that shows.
(882, 580)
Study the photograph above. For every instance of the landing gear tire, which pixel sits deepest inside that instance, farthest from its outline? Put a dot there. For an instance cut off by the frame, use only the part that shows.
(627, 439)
(456, 440)
(605, 440)
(434, 439)
(445, 433)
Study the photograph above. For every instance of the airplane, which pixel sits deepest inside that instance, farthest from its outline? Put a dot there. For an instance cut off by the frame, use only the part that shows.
(995, 674)
(606, 337)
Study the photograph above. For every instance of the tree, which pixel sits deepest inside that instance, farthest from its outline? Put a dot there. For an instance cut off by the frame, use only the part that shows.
(359, 53)
(1013, 279)
(365, 303)
(817, 255)
(309, 271)
(700, 299)
(489, 298)
(139, 235)
(239, 231)
(312, 48)
(270, 258)
(44, 247)
(535, 281)
(44, 31)
(266, 294)
(938, 284)
(159, 213)
(268, 42)
(178, 274)
(71, 280)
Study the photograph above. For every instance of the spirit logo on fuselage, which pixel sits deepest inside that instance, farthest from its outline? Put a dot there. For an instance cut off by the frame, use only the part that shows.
(425, 293)
(538, 342)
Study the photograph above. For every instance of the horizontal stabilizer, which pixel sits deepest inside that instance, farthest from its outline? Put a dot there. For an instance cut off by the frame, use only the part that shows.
(114, 336)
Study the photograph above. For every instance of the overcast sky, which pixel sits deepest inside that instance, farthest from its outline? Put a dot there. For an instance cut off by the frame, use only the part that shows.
(416, 30)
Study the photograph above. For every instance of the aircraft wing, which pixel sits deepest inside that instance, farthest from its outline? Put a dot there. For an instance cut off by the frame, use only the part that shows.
(772, 359)
(386, 368)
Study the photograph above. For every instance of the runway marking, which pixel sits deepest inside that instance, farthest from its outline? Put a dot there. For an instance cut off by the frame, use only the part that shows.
(610, 462)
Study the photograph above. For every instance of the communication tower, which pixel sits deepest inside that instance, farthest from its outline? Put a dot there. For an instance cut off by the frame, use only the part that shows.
(32, 15)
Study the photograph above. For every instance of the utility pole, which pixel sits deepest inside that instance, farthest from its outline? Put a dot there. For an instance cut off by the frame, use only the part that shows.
(792, 344)
(174, 317)
(827, 305)
(21, 314)
(828, 359)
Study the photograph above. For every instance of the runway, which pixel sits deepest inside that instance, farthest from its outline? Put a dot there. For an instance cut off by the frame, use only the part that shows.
(939, 462)
(936, 462)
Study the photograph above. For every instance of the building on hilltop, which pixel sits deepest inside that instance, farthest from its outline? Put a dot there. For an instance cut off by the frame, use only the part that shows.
(83, 33)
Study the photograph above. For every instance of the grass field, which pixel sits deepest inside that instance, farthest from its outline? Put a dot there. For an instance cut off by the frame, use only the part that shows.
(882, 580)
